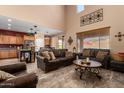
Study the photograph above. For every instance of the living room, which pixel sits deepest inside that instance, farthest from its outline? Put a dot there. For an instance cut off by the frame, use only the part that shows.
(78, 46)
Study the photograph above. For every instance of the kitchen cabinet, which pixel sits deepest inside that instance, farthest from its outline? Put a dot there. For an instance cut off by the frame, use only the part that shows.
(12, 54)
(12, 39)
(5, 39)
(19, 40)
(4, 54)
(0, 38)
(26, 37)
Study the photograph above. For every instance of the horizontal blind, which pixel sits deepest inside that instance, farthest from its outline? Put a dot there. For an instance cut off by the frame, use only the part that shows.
(94, 33)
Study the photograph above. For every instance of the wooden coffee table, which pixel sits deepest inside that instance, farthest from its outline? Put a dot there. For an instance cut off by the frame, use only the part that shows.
(94, 67)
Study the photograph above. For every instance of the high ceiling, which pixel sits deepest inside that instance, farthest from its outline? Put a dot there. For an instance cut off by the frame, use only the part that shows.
(49, 16)
(12, 24)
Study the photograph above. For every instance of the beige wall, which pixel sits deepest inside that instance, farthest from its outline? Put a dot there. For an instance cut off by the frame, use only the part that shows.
(113, 17)
(47, 16)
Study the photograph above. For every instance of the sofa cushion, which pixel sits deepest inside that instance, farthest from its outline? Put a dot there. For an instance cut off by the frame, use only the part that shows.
(46, 55)
(86, 53)
(68, 54)
(101, 55)
(56, 53)
(5, 75)
(59, 52)
(94, 59)
(52, 55)
(55, 60)
(92, 53)
(61, 59)
(118, 57)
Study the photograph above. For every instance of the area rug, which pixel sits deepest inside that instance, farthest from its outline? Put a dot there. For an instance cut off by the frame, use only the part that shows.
(67, 77)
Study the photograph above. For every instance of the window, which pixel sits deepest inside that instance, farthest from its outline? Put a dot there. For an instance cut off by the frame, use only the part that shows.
(91, 42)
(97, 39)
(79, 8)
(104, 42)
(61, 42)
(101, 42)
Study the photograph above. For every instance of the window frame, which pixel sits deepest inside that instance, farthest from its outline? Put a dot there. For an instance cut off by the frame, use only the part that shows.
(81, 10)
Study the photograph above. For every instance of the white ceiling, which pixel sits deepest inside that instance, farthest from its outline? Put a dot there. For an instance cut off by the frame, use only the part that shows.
(21, 26)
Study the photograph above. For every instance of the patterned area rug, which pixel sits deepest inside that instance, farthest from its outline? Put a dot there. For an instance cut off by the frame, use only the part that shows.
(67, 77)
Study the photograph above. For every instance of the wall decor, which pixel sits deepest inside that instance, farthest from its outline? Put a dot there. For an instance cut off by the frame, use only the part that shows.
(91, 18)
(119, 36)
(70, 40)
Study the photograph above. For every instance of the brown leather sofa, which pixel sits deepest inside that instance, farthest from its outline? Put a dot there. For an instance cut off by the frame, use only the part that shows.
(49, 65)
(93, 53)
(22, 79)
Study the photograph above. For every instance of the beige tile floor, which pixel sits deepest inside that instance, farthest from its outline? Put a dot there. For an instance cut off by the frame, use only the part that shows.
(67, 77)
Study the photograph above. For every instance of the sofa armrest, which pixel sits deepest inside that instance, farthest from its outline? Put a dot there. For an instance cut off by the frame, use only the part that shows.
(27, 80)
(42, 59)
(78, 54)
(106, 61)
(13, 68)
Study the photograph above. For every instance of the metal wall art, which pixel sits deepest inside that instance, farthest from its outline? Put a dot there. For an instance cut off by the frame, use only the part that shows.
(91, 18)
(119, 36)
(70, 40)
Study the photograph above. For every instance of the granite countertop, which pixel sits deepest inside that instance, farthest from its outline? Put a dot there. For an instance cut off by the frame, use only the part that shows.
(6, 49)
(25, 49)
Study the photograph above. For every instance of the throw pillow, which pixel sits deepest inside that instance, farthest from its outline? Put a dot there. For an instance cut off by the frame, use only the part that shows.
(46, 55)
(52, 55)
(100, 55)
(68, 54)
(86, 53)
(118, 57)
(5, 76)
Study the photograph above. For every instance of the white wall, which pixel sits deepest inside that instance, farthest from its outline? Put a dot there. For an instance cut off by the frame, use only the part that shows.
(113, 17)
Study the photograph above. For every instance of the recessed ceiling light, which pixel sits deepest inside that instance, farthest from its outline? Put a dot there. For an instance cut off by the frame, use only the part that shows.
(9, 24)
(35, 26)
(31, 28)
(10, 20)
(9, 27)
